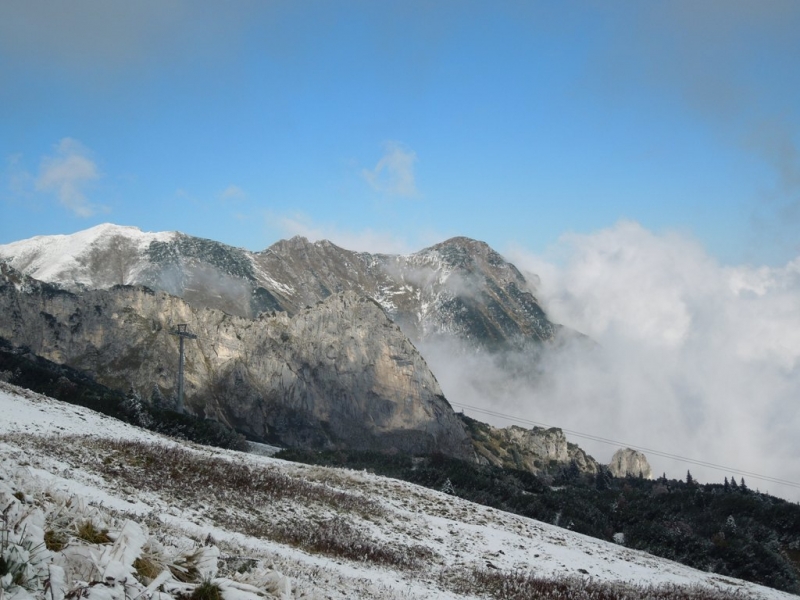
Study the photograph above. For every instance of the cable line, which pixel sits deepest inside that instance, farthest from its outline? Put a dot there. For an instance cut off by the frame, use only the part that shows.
(650, 451)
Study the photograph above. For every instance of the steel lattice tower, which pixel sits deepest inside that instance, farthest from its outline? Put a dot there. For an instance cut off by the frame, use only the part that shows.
(183, 333)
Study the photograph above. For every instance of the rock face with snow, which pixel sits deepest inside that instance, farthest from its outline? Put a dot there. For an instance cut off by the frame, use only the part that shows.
(301, 330)
(537, 450)
(460, 289)
(203, 272)
(337, 373)
(627, 462)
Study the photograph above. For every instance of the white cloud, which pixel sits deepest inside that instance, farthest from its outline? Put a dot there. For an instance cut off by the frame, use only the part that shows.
(367, 240)
(693, 358)
(67, 174)
(233, 192)
(394, 173)
(625, 280)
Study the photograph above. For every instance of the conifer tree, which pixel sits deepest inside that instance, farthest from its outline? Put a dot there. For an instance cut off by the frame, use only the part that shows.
(730, 524)
(601, 480)
(448, 488)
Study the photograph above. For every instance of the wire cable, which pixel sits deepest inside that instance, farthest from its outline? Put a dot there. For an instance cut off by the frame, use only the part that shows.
(650, 451)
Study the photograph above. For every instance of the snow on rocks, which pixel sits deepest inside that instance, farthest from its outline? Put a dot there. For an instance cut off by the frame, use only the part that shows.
(57, 258)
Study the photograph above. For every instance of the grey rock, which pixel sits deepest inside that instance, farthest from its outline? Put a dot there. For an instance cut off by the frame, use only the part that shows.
(537, 450)
(459, 289)
(338, 373)
(628, 462)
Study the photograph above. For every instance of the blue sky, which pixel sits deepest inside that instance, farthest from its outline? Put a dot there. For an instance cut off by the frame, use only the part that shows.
(393, 125)
(641, 157)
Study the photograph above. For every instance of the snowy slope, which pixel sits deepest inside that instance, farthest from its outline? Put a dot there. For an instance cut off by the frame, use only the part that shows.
(58, 258)
(416, 543)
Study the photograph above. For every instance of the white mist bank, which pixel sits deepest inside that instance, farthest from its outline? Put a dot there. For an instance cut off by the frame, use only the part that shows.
(693, 358)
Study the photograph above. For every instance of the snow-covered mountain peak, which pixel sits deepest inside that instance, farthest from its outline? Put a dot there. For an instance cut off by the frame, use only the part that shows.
(458, 288)
(62, 258)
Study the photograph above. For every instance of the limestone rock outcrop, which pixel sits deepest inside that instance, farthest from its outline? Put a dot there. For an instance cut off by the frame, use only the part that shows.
(627, 462)
(337, 373)
(537, 450)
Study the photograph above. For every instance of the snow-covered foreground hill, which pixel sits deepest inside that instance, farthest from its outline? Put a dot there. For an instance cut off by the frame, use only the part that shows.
(253, 526)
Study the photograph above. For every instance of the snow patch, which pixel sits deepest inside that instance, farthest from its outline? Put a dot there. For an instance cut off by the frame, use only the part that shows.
(56, 258)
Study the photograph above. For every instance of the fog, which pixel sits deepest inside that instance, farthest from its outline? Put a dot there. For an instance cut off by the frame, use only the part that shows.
(206, 286)
(689, 357)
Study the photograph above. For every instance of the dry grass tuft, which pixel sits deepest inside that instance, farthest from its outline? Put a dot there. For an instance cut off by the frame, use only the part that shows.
(88, 532)
(147, 568)
(516, 585)
(206, 591)
(54, 541)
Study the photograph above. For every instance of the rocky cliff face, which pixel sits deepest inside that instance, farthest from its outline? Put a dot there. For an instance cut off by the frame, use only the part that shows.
(536, 450)
(294, 342)
(627, 462)
(540, 450)
(460, 289)
(339, 372)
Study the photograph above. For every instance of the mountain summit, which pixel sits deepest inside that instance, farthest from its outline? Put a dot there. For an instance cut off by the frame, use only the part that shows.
(304, 344)
(459, 289)
(338, 373)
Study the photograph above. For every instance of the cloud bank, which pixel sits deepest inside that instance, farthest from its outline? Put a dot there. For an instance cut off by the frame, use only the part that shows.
(692, 358)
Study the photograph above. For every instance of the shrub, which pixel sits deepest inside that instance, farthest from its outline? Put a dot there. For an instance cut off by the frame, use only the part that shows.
(206, 591)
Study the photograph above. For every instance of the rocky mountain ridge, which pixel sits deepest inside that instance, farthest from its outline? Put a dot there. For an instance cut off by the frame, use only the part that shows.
(302, 294)
(340, 372)
(459, 289)
(537, 450)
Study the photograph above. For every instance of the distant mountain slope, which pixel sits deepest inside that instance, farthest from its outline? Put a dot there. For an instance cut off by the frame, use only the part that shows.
(99, 257)
(460, 289)
(340, 373)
